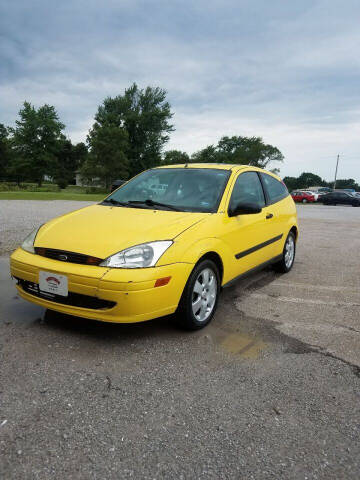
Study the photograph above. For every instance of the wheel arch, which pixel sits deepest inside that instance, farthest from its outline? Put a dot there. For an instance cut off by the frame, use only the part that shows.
(295, 231)
(215, 257)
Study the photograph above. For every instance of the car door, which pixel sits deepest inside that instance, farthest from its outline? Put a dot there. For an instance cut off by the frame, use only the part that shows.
(342, 198)
(278, 212)
(348, 199)
(296, 196)
(330, 198)
(247, 235)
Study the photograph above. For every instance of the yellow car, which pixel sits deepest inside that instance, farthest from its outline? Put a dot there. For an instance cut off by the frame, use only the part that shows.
(165, 242)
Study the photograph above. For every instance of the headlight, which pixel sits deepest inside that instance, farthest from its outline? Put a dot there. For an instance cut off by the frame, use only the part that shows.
(139, 256)
(28, 243)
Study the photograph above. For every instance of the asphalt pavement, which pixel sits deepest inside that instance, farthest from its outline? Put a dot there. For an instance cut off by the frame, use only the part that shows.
(269, 390)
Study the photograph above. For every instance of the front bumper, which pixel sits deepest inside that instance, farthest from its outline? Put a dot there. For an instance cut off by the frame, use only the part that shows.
(133, 290)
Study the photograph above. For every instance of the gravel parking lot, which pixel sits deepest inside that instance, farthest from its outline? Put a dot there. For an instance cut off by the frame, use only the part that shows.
(18, 218)
(270, 389)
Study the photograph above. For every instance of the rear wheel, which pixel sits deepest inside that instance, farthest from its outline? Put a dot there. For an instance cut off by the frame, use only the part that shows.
(199, 299)
(288, 255)
(304, 200)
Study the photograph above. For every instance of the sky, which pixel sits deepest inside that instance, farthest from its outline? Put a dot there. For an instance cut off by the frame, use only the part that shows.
(285, 70)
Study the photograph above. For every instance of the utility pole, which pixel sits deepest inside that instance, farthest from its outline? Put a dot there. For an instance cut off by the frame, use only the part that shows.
(337, 164)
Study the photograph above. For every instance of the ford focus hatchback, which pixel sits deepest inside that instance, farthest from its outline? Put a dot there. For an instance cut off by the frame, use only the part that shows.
(165, 242)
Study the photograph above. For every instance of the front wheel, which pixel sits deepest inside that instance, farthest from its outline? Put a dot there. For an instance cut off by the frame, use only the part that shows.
(304, 200)
(288, 255)
(200, 296)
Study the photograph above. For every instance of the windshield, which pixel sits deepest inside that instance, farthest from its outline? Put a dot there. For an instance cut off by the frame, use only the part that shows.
(184, 189)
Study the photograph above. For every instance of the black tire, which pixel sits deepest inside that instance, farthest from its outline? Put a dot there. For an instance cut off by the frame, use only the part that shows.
(304, 200)
(184, 314)
(282, 266)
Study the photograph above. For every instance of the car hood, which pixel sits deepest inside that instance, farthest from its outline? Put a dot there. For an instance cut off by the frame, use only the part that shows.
(101, 231)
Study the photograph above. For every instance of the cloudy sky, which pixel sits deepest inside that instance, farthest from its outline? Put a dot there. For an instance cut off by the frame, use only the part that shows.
(286, 70)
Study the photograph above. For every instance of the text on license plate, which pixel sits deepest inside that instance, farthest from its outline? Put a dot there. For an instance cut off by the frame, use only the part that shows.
(53, 283)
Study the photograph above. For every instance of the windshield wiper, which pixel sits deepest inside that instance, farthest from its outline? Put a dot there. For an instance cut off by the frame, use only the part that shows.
(152, 203)
(115, 202)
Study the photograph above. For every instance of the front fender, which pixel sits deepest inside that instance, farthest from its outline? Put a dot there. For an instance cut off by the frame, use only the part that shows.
(191, 253)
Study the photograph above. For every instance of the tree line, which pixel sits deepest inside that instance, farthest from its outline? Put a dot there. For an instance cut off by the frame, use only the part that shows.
(36, 147)
(308, 179)
(128, 135)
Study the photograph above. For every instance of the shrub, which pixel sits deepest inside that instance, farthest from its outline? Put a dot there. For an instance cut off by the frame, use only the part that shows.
(96, 190)
(27, 187)
(62, 184)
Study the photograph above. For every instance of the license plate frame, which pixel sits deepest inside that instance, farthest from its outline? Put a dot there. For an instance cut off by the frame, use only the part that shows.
(53, 283)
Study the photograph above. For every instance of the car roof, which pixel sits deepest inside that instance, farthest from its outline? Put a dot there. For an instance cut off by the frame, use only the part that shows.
(221, 166)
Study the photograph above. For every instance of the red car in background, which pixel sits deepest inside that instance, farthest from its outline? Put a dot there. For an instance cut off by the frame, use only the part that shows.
(303, 197)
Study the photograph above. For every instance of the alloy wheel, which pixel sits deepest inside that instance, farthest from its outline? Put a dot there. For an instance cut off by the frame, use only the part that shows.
(289, 251)
(204, 294)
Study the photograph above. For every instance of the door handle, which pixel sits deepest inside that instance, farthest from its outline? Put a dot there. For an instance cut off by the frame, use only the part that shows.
(269, 215)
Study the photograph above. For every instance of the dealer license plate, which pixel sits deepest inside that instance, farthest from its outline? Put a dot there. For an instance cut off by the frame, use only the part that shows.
(53, 283)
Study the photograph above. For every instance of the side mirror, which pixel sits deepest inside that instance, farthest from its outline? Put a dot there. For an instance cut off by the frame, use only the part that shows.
(244, 209)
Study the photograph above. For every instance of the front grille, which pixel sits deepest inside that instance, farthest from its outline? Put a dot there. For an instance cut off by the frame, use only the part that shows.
(65, 256)
(73, 299)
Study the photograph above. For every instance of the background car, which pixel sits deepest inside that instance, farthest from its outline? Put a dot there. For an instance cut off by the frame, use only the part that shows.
(302, 196)
(341, 198)
(311, 192)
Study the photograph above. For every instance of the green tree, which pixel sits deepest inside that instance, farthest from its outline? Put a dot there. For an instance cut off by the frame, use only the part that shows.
(138, 123)
(206, 155)
(308, 179)
(36, 140)
(80, 153)
(69, 159)
(248, 150)
(347, 183)
(292, 183)
(242, 150)
(107, 159)
(5, 151)
(174, 157)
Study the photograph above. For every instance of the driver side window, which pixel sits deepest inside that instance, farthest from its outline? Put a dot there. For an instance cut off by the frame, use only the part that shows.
(247, 189)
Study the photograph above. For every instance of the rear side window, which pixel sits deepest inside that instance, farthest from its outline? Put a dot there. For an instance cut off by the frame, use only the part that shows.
(247, 189)
(275, 190)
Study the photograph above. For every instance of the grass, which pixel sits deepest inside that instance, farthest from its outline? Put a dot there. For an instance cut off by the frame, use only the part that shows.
(62, 195)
